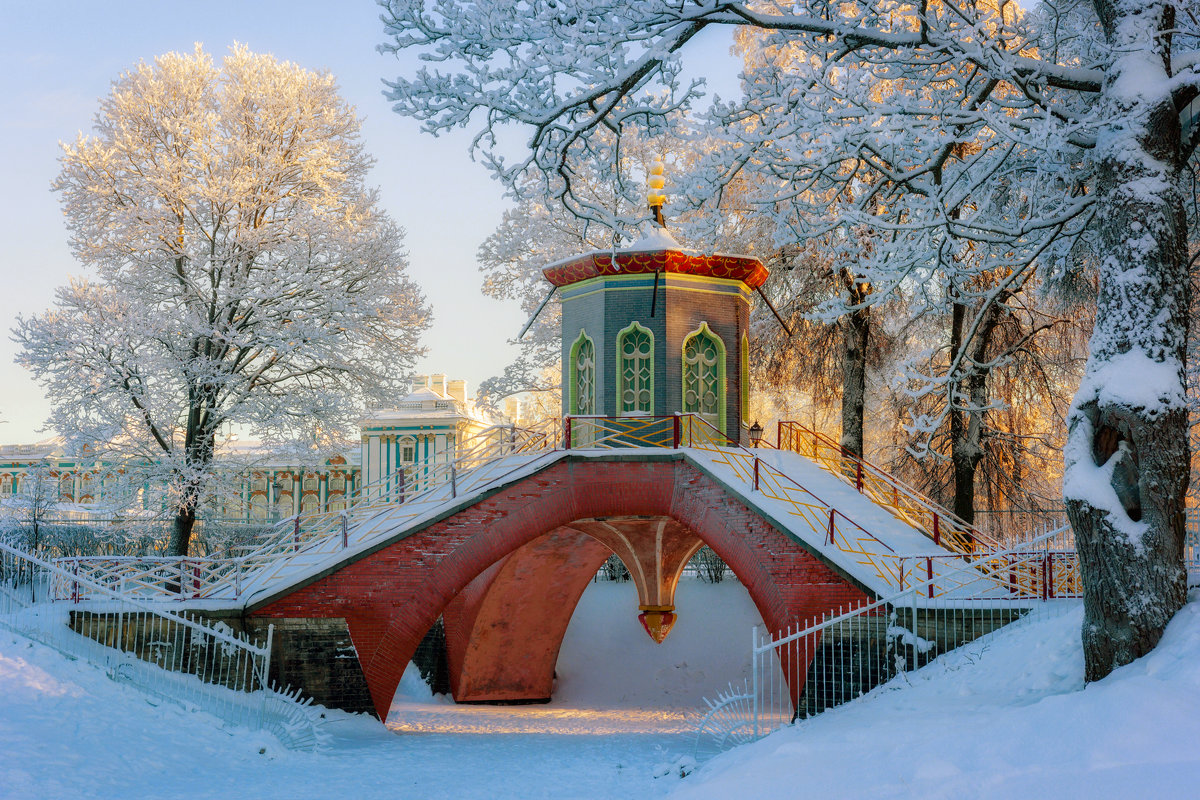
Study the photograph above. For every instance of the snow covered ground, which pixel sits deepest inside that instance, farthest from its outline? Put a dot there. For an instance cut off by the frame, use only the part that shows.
(1010, 720)
(623, 706)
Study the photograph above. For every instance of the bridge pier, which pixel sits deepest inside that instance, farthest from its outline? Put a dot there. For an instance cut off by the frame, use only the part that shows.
(503, 631)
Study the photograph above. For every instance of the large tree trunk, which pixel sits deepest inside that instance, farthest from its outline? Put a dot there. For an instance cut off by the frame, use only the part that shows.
(1127, 450)
(856, 338)
(199, 449)
(969, 399)
(181, 531)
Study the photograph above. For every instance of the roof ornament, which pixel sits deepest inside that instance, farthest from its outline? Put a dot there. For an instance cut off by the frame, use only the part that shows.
(654, 196)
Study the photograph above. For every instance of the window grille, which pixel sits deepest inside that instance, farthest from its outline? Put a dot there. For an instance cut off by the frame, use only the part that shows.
(704, 376)
(635, 358)
(583, 377)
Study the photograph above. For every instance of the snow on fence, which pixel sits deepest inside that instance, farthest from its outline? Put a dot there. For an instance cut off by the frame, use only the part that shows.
(170, 655)
(808, 668)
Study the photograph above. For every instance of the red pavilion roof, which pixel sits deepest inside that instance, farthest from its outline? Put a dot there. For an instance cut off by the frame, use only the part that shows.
(746, 269)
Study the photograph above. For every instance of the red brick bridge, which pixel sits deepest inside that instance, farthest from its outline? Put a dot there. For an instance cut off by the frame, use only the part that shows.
(505, 570)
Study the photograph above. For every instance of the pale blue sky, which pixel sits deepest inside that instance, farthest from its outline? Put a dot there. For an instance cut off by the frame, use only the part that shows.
(57, 59)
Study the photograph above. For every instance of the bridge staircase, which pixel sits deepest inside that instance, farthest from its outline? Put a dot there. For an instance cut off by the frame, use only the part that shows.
(881, 532)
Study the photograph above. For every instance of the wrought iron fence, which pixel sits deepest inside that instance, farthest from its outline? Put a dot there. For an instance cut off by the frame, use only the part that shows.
(812, 666)
(174, 656)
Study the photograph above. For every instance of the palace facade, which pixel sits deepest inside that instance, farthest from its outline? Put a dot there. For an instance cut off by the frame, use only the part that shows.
(423, 428)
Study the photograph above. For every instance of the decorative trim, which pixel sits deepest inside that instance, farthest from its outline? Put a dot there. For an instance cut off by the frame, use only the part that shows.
(744, 379)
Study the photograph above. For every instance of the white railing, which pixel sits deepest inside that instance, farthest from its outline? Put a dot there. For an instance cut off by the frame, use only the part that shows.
(170, 655)
(415, 488)
(811, 666)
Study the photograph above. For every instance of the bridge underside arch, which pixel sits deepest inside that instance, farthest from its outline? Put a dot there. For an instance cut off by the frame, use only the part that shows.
(392, 595)
(504, 630)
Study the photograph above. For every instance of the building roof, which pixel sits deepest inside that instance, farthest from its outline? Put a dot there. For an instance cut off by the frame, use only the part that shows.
(656, 254)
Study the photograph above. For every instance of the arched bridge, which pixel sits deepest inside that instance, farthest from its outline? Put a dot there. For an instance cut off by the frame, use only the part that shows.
(501, 543)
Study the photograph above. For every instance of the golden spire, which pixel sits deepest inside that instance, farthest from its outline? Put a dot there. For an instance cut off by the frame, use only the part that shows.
(654, 196)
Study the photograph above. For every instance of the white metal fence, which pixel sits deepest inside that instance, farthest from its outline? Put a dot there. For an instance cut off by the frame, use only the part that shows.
(167, 654)
(808, 668)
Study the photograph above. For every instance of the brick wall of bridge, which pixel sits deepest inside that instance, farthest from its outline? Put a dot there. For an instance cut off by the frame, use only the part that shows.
(390, 597)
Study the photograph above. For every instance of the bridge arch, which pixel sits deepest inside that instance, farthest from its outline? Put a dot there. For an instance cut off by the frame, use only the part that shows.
(391, 595)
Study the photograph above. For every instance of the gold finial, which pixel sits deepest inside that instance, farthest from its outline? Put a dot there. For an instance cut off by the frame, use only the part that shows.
(655, 197)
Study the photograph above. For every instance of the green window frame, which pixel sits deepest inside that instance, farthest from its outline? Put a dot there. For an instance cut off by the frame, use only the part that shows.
(744, 375)
(581, 388)
(635, 370)
(704, 376)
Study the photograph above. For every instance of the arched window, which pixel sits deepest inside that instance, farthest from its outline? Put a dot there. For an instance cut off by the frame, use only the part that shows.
(582, 387)
(635, 370)
(6, 484)
(258, 506)
(337, 501)
(408, 450)
(704, 376)
(310, 504)
(66, 489)
(310, 483)
(283, 504)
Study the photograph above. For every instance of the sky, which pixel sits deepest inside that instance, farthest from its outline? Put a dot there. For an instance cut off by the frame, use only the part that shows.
(58, 59)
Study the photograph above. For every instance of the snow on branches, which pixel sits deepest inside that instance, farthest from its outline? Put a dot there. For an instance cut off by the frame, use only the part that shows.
(977, 142)
(243, 273)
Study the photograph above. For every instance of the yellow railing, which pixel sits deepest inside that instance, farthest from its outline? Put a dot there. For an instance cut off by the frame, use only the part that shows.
(939, 524)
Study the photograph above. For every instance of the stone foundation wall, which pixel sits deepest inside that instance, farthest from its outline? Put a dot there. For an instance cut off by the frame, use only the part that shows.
(854, 657)
(314, 655)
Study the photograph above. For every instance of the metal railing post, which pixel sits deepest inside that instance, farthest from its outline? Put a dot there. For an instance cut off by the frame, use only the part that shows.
(566, 433)
(345, 530)
(675, 431)
(266, 676)
(831, 513)
(120, 620)
(754, 677)
(453, 480)
(756, 473)
(937, 529)
(913, 623)
(296, 535)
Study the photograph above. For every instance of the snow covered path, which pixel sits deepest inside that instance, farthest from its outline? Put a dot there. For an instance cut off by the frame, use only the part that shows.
(1007, 719)
(1011, 719)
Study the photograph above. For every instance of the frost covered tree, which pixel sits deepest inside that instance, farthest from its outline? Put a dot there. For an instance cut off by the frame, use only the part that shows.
(32, 507)
(241, 272)
(1029, 137)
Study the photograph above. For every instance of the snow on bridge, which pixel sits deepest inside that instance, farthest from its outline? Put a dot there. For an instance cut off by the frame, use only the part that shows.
(859, 520)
